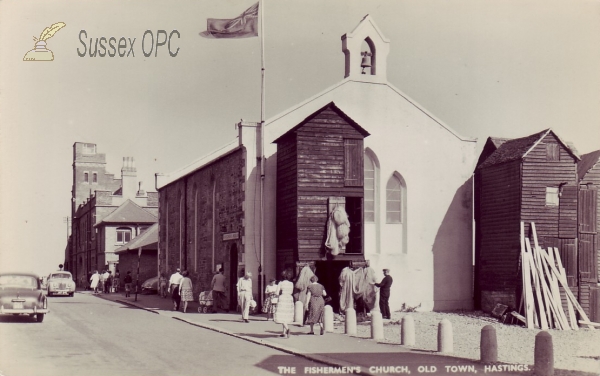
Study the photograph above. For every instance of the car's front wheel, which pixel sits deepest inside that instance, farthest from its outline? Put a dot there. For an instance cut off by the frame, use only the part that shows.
(39, 317)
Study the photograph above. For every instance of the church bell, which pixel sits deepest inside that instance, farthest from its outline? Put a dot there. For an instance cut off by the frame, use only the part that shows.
(366, 61)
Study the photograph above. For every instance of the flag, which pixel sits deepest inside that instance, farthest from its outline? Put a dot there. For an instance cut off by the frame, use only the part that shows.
(243, 26)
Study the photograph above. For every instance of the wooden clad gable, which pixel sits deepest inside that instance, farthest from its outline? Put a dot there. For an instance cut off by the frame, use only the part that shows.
(320, 158)
(549, 165)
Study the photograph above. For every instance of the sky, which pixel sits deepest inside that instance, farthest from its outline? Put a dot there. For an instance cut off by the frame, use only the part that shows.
(485, 68)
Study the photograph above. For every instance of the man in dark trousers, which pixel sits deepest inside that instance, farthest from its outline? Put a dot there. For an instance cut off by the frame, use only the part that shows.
(384, 294)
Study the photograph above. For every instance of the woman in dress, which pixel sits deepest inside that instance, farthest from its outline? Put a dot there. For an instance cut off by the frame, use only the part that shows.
(94, 280)
(284, 314)
(185, 289)
(271, 298)
(316, 304)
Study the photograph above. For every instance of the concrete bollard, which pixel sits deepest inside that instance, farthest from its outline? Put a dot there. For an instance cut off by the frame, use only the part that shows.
(328, 319)
(445, 337)
(376, 325)
(408, 331)
(543, 358)
(488, 346)
(299, 313)
(350, 322)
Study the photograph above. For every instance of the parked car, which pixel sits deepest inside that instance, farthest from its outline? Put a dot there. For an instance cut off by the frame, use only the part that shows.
(21, 293)
(60, 283)
(150, 286)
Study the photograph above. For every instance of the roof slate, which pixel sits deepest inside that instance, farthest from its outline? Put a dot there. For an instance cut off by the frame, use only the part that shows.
(512, 150)
(588, 161)
(129, 212)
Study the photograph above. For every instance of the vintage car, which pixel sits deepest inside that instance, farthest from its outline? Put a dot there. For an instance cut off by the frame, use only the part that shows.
(150, 286)
(60, 283)
(21, 293)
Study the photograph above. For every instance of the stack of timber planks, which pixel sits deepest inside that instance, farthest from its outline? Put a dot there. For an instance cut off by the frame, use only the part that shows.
(542, 276)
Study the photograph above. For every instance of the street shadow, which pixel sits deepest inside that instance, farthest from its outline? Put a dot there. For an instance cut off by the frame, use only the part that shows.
(268, 334)
(17, 319)
(223, 320)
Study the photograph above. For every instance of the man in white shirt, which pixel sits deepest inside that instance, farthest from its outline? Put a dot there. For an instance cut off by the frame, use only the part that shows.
(174, 283)
(244, 290)
(218, 291)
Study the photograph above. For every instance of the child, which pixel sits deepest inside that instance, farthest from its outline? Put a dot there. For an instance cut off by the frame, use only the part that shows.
(271, 297)
(162, 282)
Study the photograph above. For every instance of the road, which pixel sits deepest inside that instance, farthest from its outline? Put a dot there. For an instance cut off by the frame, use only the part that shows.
(86, 335)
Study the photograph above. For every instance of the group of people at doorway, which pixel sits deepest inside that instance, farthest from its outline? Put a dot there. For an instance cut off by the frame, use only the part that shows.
(279, 297)
(279, 301)
(105, 281)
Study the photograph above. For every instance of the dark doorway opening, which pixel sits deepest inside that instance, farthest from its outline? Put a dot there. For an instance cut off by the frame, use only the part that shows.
(233, 276)
(328, 273)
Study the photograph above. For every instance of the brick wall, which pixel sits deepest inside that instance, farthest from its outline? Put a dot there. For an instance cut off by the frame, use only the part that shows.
(186, 220)
(148, 264)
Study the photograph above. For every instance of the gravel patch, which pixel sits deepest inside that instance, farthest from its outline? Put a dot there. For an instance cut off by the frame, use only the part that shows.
(573, 350)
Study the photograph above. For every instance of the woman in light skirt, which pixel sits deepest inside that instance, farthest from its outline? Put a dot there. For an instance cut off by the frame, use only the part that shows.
(284, 314)
(185, 290)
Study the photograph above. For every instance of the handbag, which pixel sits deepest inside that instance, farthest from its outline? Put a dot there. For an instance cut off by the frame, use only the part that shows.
(274, 300)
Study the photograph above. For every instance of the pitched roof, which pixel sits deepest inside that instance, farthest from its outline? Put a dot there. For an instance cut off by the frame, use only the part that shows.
(331, 106)
(129, 212)
(163, 180)
(147, 239)
(588, 161)
(518, 148)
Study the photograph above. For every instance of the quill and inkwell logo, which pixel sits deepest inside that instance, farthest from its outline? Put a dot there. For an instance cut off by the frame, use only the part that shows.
(40, 52)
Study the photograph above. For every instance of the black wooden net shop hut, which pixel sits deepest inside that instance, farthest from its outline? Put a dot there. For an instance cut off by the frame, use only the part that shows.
(529, 179)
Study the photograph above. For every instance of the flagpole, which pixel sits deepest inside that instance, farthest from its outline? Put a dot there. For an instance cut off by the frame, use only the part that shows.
(261, 282)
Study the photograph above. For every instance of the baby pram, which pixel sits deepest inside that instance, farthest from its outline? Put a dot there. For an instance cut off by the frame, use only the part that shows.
(206, 302)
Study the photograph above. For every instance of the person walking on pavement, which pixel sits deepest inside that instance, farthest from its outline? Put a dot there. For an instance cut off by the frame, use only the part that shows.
(244, 290)
(108, 282)
(284, 314)
(162, 285)
(128, 281)
(384, 294)
(186, 290)
(218, 291)
(117, 280)
(105, 282)
(271, 299)
(316, 304)
(174, 282)
(94, 280)
(101, 282)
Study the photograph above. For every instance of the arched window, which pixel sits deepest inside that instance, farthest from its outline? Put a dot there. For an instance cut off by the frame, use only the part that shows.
(369, 177)
(394, 200)
(123, 235)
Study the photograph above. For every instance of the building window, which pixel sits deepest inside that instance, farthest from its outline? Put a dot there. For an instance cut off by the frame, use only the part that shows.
(369, 189)
(393, 200)
(552, 152)
(86, 177)
(123, 235)
(353, 162)
(94, 177)
(552, 196)
(89, 149)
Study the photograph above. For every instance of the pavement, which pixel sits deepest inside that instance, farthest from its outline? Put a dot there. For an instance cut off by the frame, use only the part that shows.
(335, 352)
